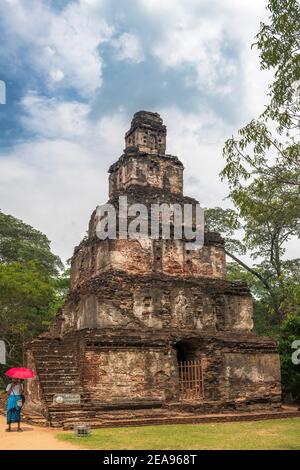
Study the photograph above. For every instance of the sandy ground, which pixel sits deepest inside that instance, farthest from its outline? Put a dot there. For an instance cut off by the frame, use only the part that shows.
(32, 438)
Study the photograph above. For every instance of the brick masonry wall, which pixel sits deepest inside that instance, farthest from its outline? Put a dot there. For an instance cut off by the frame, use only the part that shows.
(157, 301)
(146, 170)
(144, 257)
(128, 374)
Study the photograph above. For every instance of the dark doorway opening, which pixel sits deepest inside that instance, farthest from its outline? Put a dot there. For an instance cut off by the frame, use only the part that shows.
(190, 371)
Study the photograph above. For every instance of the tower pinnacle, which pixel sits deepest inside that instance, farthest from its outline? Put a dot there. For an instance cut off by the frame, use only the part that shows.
(147, 133)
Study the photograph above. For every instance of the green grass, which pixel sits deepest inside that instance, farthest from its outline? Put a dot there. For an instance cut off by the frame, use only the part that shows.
(281, 434)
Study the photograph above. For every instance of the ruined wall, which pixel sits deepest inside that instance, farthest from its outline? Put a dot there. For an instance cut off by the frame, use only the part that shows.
(249, 376)
(126, 374)
(146, 256)
(143, 170)
(241, 371)
(159, 302)
(238, 313)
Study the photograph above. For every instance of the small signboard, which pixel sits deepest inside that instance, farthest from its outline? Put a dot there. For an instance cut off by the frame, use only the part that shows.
(2, 353)
(66, 399)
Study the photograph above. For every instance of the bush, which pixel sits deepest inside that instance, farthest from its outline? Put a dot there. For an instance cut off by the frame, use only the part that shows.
(289, 332)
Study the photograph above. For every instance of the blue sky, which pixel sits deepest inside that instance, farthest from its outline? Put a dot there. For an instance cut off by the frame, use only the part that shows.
(77, 70)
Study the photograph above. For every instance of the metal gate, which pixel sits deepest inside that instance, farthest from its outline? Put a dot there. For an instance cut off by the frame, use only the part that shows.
(190, 380)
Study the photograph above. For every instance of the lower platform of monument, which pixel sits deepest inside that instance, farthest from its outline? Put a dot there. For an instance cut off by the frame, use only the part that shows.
(106, 378)
(100, 418)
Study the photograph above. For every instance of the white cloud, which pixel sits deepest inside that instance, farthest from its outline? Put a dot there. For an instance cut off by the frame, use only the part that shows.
(201, 34)
(52, 118)
(128, 47)
(198, 140)
(55, 181)
(62, 45)
(57, 75)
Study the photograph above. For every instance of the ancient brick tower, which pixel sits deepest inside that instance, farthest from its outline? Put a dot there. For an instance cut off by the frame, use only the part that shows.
(149, 324)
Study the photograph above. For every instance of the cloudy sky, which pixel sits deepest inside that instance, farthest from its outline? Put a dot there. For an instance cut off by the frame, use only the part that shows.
(76, 71)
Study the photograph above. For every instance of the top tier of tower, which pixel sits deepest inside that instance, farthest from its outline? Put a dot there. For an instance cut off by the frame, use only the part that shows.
(147, 133)
(144, 162)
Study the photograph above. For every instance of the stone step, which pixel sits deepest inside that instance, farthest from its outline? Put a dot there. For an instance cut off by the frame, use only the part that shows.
(67, 349)
(52, 367)
(88, 405)
(54, 352)
(59, 366)
(183, 419)
(56, 378)
(35, 420)
(54, 344)
(53, 386)
(55, 348)
(55, 390)
(78, 415)
(54, 357)
(57, 370)
(59, 391)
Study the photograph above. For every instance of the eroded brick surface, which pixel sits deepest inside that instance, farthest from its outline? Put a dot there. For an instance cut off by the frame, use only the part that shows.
(139, 307)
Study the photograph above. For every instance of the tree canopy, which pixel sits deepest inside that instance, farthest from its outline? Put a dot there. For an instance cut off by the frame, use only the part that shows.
(19, 242)
(262, 169)
(33, 284)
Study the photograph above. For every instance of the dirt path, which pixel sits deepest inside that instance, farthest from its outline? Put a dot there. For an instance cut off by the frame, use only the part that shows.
(32, 438)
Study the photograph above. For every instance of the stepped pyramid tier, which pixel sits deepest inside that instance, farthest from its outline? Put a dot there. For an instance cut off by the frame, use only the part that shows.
(150, 323)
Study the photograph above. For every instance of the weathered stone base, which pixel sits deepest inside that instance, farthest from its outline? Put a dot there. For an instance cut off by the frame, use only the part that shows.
(154, 416)
(114, 372)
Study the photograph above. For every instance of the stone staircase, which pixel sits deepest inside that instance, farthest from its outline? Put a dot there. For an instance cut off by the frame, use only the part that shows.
(56, 364)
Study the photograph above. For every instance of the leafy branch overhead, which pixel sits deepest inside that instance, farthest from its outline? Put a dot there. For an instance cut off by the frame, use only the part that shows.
(263, 164)
(279, 44)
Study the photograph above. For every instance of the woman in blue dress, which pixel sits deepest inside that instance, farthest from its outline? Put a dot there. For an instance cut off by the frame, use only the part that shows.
(14, 403)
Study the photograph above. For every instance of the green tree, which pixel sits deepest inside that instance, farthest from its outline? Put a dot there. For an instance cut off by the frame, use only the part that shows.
(263, 167)
(255, 151)
(290, 373)
(26, 299)
(264, 231)
(32, 286)
(265, 321)
(19, 242)
(279, 44)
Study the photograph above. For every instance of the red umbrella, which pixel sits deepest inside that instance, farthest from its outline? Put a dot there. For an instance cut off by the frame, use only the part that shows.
(20, 373)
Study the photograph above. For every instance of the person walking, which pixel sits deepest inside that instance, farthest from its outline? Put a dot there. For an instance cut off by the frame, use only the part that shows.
(16, 397)
(15, 401)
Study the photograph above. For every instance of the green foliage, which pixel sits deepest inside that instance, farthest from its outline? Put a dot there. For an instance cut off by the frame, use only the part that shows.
(256, 152)
(263, 170)
(25, 304)
(61, 285)
(31, 288)
(266, 221)
(20, 242)
(265, 322)
(227, 222)
(290, 373)
(279, 44)
(235, 272)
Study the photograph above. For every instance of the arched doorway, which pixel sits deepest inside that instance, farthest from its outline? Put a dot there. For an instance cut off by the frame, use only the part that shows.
(190, 370)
